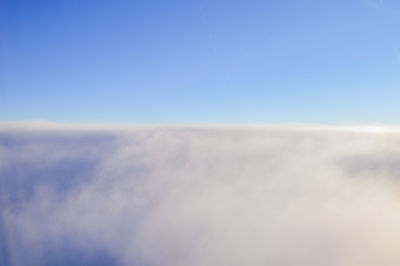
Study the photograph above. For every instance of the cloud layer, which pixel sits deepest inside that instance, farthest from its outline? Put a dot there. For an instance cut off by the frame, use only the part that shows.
(211, 195)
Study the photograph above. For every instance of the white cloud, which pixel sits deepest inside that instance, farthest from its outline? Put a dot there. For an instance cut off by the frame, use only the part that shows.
(211, 195)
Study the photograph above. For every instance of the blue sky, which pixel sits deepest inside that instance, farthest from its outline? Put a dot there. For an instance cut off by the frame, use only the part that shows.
(200, 61)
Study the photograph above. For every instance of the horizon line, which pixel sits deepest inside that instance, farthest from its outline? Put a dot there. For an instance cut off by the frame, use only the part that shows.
(45, 125)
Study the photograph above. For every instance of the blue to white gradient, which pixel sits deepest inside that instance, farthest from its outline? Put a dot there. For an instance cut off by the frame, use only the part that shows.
(200, 61)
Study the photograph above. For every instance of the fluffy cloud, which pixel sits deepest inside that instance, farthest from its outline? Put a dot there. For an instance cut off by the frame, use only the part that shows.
(210, 195)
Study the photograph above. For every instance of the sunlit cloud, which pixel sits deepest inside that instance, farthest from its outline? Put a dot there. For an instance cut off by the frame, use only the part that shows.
(199, 195)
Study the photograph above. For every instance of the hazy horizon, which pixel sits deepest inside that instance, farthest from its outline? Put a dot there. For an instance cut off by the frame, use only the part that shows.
(199, 133)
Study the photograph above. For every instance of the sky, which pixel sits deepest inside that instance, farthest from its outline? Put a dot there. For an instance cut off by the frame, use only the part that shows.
(198, 61)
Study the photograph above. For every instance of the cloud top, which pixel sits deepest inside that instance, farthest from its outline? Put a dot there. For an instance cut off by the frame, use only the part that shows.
(199, 195)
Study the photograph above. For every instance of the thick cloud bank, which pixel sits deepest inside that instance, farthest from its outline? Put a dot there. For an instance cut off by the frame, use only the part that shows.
(209, 196)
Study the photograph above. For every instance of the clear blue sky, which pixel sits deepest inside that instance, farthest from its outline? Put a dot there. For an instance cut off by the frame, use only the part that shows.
(189, 61)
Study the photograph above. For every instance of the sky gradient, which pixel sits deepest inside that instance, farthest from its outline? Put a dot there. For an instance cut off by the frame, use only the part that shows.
(200, 61)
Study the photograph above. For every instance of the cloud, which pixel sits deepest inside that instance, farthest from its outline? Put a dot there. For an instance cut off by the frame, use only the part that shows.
(209, 195)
